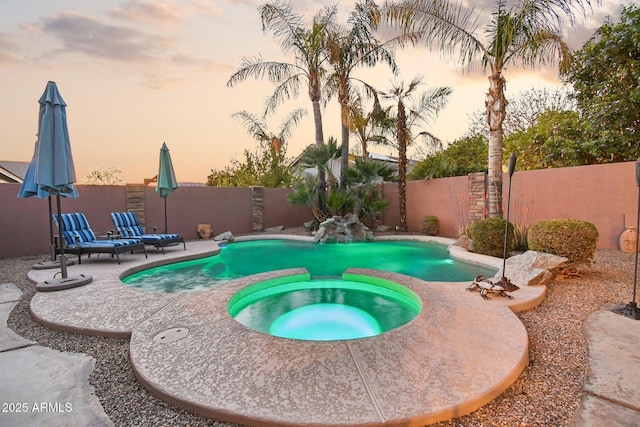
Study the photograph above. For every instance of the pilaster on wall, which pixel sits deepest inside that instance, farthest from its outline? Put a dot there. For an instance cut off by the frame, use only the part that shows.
(477, 196)
(135, 201)
(257, 208)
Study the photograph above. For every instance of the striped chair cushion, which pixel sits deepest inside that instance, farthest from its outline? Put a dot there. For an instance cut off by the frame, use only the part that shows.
(76, 228)
(155, 237)
(127, 224)
(109, 243)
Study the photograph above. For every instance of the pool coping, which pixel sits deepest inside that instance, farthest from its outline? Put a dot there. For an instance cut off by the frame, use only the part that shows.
(390, 379)
(103, 307)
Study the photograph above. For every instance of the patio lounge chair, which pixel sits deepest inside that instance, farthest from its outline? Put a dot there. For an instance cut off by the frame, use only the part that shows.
(80, 239)
(128, 226)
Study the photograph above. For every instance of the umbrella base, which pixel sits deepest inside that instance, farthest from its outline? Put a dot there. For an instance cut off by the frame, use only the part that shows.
(49, 264)
(59, 283)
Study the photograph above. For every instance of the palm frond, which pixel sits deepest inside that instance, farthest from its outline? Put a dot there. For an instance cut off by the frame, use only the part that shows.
(440, 24)
(254, 125)
(279, 18)
(286, 90)
(288, 123)
(259, 69)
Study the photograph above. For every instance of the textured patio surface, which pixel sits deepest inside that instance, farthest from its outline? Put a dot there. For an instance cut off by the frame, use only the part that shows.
(457, 355)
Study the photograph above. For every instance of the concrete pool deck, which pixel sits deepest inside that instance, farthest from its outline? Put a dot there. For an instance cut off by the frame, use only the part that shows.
(187, 350)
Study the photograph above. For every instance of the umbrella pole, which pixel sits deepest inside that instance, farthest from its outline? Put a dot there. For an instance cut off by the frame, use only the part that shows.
(63, 263)
(52, 246)
(165, 214)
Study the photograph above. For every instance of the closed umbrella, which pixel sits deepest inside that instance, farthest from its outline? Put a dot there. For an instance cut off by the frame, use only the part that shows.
(54, 170)
(166, 179)
(29, 188)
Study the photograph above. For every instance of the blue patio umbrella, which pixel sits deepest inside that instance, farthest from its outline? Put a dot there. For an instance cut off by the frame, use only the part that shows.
(29, 188)
(166, 179)
(53, 168)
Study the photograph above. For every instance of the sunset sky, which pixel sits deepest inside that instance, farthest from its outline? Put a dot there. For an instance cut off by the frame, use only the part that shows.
(136, 74)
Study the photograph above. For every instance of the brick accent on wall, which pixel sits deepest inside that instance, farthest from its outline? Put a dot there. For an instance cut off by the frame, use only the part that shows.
(135, 201)
(257, 208)
(477, 195)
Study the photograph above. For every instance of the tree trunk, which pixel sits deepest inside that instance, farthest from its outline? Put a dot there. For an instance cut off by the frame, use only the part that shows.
(343, 97)
(317, 120)
(496, 104)
(402, 165)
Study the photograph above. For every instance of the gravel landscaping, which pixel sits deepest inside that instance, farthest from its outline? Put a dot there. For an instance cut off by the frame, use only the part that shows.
(547, 393)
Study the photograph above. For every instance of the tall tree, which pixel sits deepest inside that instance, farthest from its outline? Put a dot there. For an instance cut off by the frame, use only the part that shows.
(350, 47)
(307, 46)
(368, 127)
(529, 34)
(606, 77)
(419, 113)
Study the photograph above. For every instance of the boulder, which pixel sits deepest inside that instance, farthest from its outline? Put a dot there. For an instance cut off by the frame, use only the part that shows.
(532, 268)
(224, 236)
(274, 229)
(464, 242)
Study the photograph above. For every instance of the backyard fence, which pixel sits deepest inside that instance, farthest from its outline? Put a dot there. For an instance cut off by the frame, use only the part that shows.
(605, 195)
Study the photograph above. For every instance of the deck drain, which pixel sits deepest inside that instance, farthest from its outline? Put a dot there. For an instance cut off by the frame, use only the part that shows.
(171, 335)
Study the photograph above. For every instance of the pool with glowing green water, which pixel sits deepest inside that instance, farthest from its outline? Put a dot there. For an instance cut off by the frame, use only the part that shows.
(296, 307)
(425, 260)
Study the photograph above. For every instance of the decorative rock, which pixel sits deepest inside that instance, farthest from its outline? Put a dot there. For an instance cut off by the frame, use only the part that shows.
(351, 219)
(532, 268)
(225, 236)
(205, 231)
(342, 230)
(464, 242)
(308, 225)
(319, 234)
(274, 229)
(327, 222)
(382, 228)
(628, 240)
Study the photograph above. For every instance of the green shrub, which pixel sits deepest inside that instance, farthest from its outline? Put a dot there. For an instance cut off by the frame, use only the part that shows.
(430, 225)
(488, 236)
(571, 238)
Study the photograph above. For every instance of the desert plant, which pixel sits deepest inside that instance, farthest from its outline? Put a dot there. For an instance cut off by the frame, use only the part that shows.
(340, 202)
(463, 230)
(571, 238)
(488, 236)
(430, 225)
(520, 232)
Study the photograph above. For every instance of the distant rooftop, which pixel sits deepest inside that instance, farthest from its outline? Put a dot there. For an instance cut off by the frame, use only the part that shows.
(13, 172)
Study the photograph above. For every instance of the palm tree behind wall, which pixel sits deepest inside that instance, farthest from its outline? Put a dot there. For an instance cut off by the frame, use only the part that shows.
(308, 46)
(528, 34)
(418, 113)
(351, 47)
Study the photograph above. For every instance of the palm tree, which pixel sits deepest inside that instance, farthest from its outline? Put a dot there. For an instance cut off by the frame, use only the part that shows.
(350, 47)
(368, 127)
(529, 34)
(321, 158)
(307, 45)
(257, 128)
(420, 112)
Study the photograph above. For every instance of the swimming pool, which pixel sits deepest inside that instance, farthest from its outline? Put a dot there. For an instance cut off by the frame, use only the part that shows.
(425, 260)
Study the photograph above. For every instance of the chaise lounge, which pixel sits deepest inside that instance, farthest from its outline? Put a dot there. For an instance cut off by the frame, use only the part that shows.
(128, 226)
(80, 239)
